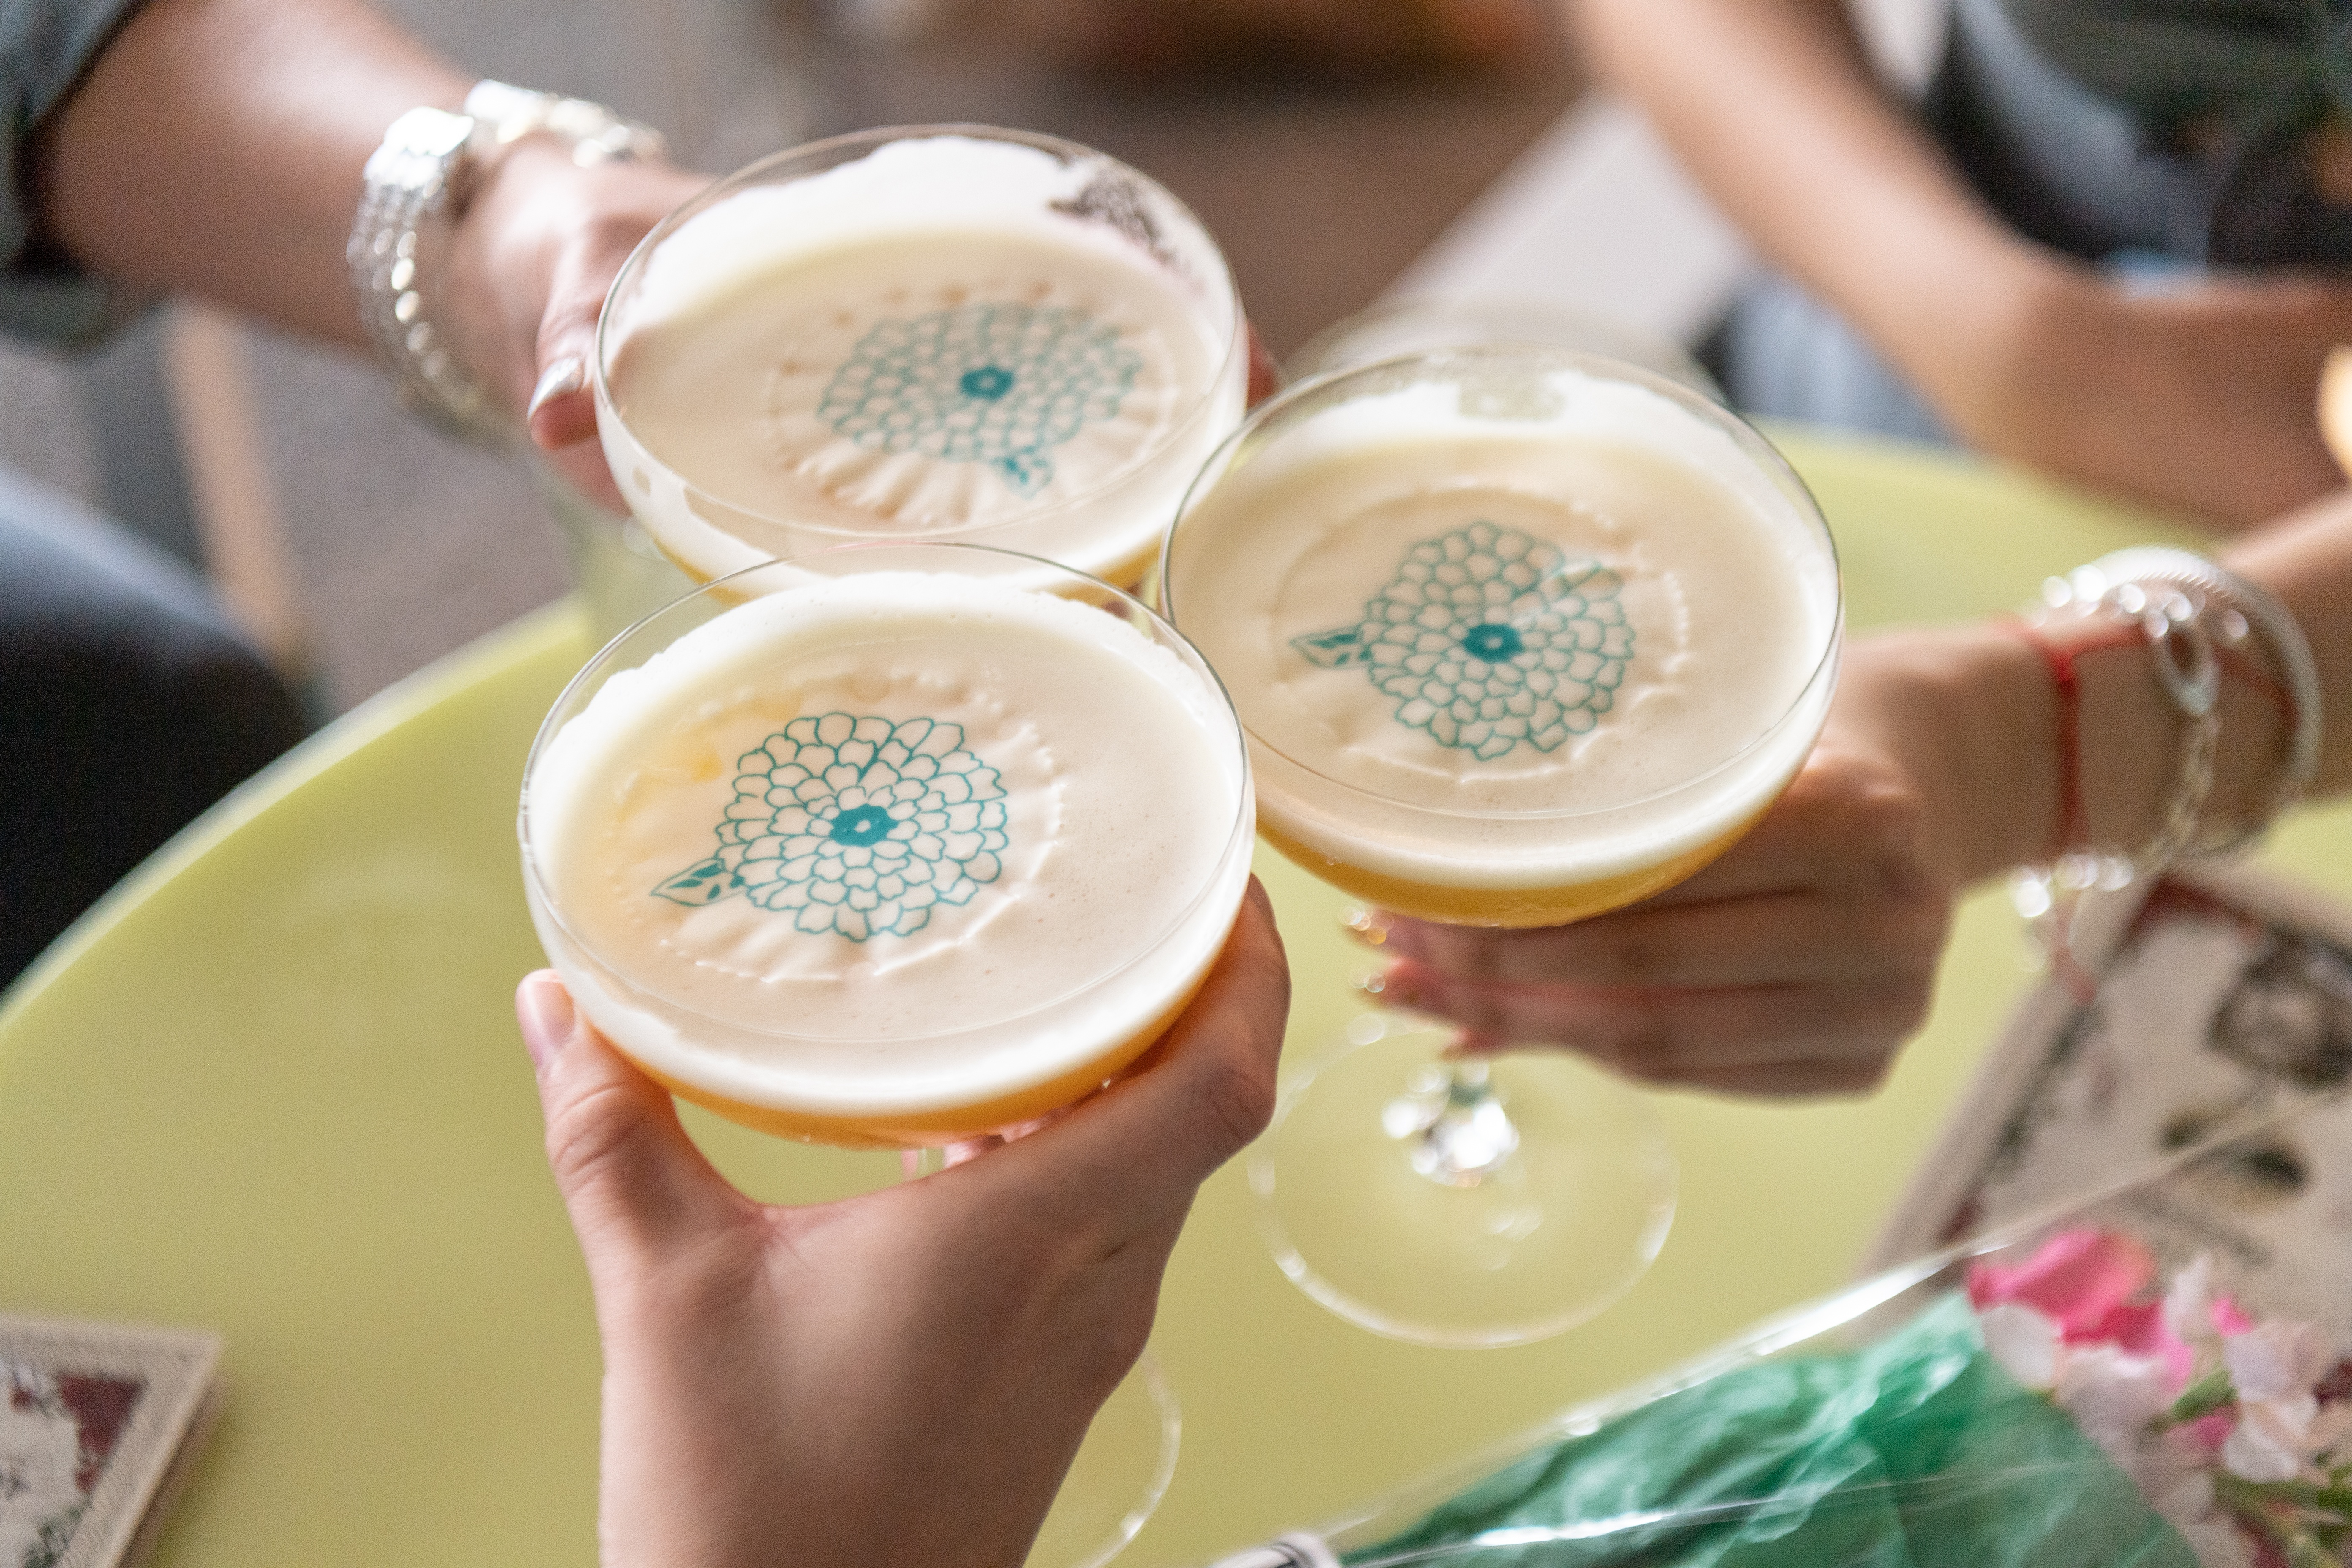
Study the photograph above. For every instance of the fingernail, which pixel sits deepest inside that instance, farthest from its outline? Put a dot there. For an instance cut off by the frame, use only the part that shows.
(565, 377)
(545, 1010)
(1368, 926)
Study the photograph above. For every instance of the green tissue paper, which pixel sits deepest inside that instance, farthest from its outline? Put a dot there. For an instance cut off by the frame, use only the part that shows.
(1918, 1452)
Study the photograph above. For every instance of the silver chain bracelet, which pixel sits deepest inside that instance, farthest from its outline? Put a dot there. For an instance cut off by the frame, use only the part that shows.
(415, 186)
(2190, 611)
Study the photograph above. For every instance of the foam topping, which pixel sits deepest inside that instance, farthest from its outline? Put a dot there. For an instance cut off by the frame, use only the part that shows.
(868, 817)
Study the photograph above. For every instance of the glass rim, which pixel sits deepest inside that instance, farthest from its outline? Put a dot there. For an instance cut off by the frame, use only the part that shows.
(1062, 150)
(1497, 315)
(1752, 442)
(601, 667)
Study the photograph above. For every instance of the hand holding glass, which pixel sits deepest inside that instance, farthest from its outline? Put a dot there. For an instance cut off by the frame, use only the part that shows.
(890, 847)
(1518, 635)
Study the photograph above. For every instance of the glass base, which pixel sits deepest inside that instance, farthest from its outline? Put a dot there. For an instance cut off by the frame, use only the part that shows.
(1120, 1474)
(1383, 1225)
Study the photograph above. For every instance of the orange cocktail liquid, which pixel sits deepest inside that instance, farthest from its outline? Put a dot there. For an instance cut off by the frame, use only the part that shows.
(929, 1129)
(1503, 907)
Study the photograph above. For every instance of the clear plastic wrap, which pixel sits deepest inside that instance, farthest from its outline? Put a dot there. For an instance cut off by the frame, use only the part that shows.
(2083, 1387)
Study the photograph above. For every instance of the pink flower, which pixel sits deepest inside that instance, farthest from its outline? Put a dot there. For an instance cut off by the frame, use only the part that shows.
(2212, 1429)
(2143, 1331)
(2282, 1426)
(2024, 1342)
(2084, 1281)
(2193, 1312)
(2078, 1279)
(2274, 1437)
(2114, 1396)
(2277, 1361)
(2272, 1407)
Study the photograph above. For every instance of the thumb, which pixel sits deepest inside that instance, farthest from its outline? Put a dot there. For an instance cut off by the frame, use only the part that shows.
(634, 1182)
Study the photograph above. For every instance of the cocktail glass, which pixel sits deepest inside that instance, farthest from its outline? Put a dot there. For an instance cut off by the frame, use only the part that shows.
(1461, 598)
(1418, 323)
(950, 333)
(856, 786)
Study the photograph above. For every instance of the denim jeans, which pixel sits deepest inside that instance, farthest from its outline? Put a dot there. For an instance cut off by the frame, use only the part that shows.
(128, 704)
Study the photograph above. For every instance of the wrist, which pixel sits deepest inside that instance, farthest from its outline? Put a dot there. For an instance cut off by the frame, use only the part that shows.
(2186, 711)
(1966, 715)
(431, 297)
(2106, 706)
(2184, 774)
(497, 248)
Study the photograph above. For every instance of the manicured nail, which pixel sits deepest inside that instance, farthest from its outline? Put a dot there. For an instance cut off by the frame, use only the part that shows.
(565, 377)
(546, 1013)
(1368, 926)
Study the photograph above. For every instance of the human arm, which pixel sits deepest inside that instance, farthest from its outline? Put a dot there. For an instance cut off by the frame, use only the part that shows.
(1803, 959)
(215, 147)
(903, 1376)
(2196, 399)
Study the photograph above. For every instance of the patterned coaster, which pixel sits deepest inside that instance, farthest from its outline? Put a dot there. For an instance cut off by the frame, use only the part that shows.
(97, 1425)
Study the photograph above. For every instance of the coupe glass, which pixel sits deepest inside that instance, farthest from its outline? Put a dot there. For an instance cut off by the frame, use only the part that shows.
(1459, 622)
(1420, 323)
(1036, 1049)
(943, 333)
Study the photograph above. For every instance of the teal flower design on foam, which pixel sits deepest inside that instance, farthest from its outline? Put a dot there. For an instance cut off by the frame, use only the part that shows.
(1489, 639)
(1001, 384)
(855, 825)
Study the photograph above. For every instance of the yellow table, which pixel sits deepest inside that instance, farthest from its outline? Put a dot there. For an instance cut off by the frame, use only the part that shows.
(272, 1087)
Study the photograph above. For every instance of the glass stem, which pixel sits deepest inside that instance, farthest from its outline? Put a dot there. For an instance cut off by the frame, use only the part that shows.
(1472, 1135)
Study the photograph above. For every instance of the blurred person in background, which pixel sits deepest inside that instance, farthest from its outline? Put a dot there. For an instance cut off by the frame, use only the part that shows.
(2109, 242)
(216, 147)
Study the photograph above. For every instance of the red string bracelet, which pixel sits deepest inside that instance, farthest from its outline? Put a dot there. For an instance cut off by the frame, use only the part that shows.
(2073, 829)
(2073, 825)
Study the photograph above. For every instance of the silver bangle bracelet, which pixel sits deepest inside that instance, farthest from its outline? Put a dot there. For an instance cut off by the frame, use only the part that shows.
(2190, 608)
(415, 186)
